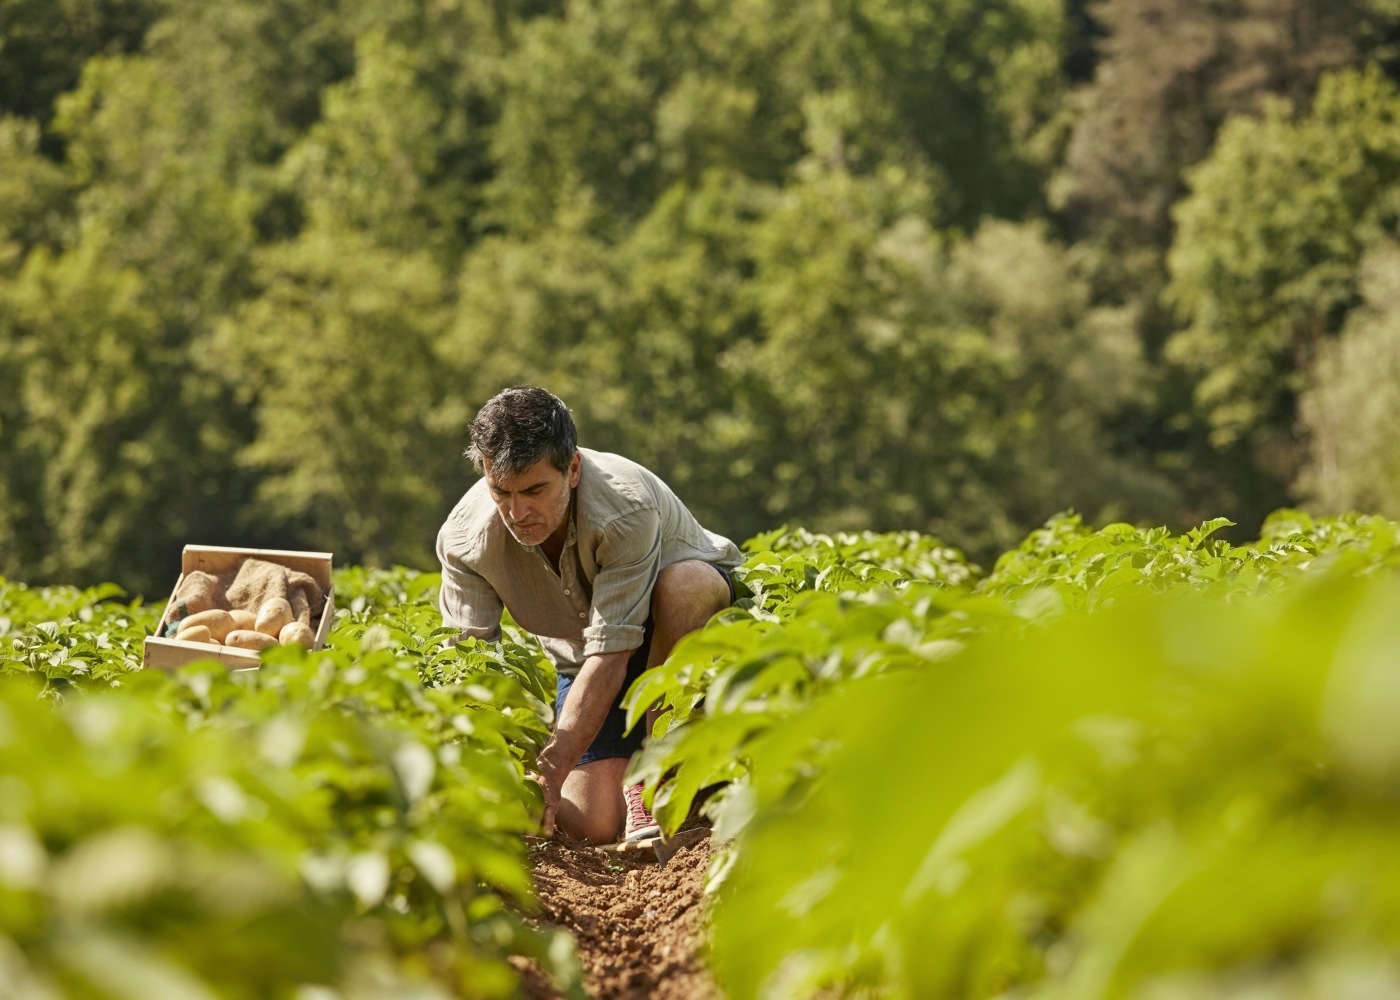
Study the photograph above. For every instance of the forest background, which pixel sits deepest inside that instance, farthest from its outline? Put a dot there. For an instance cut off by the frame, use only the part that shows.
(944, 265)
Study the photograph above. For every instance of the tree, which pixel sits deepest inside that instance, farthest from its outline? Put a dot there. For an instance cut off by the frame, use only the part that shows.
(95, 442)
(1077, 381)
(173, 178)
(1168, 75)
(965, 388)
(1165, 78)
(819, 353)
(1351, 409)
(137, 239)
(357, 427)
(639, 337)
(44, 45)
(1265, 264)
(623, 99)
(35, 195)
(338, 354)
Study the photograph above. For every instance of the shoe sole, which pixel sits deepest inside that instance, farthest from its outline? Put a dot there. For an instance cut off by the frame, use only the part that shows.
(643, 834)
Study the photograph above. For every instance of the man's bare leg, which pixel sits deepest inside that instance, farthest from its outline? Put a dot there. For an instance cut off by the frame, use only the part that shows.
(685, 597)
(590, 805)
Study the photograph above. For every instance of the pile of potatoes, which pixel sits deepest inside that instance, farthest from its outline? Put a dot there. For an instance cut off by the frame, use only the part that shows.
(272, 625)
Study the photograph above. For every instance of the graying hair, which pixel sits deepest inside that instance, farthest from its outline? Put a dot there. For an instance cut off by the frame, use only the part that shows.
(519, 426)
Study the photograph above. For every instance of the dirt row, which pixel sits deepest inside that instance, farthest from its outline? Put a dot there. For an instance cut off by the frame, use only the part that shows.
(640, 925)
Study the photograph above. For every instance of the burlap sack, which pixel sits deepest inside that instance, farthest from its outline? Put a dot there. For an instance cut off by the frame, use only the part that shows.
(197, 592)
(258, 581)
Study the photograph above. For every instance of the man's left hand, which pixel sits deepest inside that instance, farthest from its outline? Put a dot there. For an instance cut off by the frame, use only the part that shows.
(592, 696)
(551, 768)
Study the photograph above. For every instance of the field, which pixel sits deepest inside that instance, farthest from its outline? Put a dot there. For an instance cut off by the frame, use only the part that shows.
(1117, 763)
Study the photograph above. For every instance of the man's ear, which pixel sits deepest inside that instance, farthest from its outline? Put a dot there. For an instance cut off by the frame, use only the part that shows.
(575, 470)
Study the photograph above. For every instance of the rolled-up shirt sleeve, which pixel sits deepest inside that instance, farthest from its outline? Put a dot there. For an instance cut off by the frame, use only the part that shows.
(629, 559)
(467, 602)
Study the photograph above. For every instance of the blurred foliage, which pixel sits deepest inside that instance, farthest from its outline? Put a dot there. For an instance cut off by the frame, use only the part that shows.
(1352, 409)
(344, 823)
(1168, 74)
(817, 611)
(1122, 763)
(1168, 798)
(1266, 263)
(44, 45)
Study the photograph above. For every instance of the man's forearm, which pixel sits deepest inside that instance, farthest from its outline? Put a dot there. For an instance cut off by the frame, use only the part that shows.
(591, 697)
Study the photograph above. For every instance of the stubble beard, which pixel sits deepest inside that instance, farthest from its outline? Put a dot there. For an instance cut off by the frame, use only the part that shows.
(538, 534)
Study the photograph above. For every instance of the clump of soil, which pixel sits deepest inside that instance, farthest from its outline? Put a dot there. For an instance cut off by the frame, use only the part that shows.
(639, 925)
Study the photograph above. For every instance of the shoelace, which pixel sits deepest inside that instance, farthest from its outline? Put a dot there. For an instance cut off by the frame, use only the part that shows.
(637, 814)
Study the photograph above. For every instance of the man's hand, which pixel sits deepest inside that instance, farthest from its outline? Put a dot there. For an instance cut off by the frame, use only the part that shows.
(552, 766)
(592, 696)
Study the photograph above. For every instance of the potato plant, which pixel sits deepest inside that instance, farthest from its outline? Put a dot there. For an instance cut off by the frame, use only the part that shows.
(1121, 762)
(1124, 763)
(343, 823)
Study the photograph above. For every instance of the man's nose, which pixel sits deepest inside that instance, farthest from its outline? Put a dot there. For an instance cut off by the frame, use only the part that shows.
(519, 509)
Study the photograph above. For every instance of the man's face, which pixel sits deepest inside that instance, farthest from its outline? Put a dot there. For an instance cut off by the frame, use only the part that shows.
(535, 504)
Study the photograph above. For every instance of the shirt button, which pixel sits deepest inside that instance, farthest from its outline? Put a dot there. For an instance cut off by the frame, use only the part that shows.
(567, 591)
(582, 615)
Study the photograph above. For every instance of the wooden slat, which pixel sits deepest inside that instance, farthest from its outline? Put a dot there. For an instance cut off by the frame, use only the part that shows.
(220, 559)
(167, 654)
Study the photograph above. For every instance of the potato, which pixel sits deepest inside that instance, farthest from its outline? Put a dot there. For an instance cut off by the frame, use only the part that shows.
(296, 632)
(219, 623)
(197, 633)
(245, 638)
(243, 618)
(273, 616)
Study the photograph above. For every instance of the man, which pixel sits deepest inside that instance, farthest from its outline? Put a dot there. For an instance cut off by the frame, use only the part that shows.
(597, 558)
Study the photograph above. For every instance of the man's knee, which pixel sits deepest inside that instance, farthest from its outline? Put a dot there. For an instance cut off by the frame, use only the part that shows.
(687, 593)
(590, 807)
(596, 827)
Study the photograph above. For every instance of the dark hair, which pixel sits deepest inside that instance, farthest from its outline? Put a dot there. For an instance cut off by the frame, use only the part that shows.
(519, 426)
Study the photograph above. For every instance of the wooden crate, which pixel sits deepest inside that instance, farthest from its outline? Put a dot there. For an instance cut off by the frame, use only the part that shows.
(170, 653)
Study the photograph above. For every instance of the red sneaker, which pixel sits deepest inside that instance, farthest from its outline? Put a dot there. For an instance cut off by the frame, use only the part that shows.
(640, 824)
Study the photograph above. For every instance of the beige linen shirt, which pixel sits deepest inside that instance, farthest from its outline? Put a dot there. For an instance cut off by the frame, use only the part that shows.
(624, 526)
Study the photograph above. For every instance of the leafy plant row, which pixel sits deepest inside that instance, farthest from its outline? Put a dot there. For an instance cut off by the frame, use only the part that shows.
(1120, 763)
(1123, 763)
(339, 824)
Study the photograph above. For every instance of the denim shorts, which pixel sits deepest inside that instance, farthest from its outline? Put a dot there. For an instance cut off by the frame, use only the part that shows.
(611, 741)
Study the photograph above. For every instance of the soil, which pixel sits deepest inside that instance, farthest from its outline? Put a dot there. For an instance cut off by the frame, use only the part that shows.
(639, 926)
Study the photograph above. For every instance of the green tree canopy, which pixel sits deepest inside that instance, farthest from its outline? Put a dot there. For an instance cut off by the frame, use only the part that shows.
(1351, 409)
(44, 45)
(1265, 264)
(861, 264)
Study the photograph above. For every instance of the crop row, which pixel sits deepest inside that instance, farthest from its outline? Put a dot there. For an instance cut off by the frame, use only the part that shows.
(1121, 762)
(346, 823)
